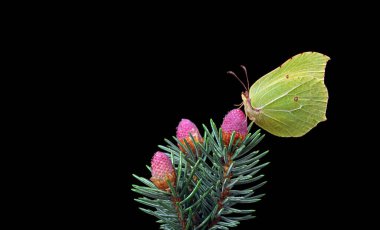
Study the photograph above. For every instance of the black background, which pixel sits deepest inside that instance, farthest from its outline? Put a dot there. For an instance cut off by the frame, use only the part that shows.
(142, 79)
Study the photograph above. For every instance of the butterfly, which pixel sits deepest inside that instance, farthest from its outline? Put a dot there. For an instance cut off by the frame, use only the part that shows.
(290, 100)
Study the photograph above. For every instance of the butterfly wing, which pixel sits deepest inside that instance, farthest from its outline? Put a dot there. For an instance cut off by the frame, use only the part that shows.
(292, 99)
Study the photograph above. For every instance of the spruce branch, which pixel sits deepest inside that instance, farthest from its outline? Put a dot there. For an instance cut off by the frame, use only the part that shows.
(196, 183)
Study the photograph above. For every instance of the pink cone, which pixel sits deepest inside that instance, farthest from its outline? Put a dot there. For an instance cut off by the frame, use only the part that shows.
(162, 170)
(235, 120)
(184, 129)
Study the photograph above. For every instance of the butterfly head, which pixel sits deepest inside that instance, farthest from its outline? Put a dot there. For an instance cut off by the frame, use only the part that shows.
(249, 111)
(245, 95)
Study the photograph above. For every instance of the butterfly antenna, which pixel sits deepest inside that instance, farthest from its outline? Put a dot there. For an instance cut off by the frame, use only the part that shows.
(233, 74)
(246, 74)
